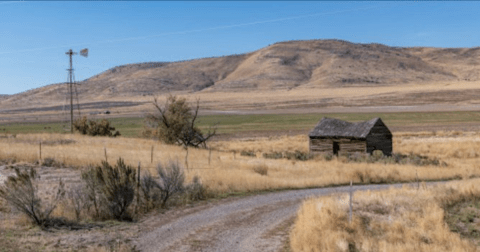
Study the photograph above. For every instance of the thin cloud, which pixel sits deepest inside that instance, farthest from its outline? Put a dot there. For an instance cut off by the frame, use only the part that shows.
(192, 31)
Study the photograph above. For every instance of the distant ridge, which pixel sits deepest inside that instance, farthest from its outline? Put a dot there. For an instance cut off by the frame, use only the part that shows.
(281, 66)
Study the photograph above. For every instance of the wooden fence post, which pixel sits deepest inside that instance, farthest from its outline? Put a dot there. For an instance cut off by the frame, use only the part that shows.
(416, 177)
(151, 156)
(234, 153)
(40, 152)
(105, 150)
(351, 196)
(138, 189)
(209, 155)
(186, 157)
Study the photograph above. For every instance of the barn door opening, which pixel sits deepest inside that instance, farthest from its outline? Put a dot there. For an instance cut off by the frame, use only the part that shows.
(336, 148)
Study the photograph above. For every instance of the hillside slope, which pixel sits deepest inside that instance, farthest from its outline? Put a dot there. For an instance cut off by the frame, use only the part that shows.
(281, 66)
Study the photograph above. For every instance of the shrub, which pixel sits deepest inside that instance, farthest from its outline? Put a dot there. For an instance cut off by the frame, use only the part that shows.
(396, 158)
(94, 128)
(298, 155)
(92, 190)
(261, 169)
(172, 180)
(328, 156)
(110, 189)
(196, 190)
(151, 193)
(159, 192)
(51, 162)
(248, 153)
(273, 155)
(21, 192)
(117, 184)
(81, 125)
(78, 200)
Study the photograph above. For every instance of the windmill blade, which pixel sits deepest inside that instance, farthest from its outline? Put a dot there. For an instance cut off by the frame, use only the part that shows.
(84, 52)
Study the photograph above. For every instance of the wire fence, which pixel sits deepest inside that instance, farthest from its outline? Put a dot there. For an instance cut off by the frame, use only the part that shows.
(189, 164)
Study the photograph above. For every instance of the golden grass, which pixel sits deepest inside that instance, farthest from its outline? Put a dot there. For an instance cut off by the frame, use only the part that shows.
(404, 219)
(227, 172)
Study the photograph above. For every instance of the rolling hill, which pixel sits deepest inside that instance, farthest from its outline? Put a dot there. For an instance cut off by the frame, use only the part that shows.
(291, 65)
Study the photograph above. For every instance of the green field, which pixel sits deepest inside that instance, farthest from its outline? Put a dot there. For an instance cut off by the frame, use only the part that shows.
(231, 124)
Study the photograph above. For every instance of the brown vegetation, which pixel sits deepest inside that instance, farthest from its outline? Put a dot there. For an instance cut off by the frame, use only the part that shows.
(174, 123)
(224, 172)
(407, 219)
(94, 128)
(21, 192)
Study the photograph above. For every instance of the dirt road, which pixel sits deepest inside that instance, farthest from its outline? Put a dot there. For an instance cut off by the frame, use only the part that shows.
(254, 223)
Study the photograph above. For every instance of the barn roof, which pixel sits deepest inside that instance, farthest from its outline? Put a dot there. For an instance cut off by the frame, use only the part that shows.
(330, 127)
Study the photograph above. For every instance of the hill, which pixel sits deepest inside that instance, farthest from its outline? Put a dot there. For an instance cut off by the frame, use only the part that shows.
(316, 63)
(293, 65)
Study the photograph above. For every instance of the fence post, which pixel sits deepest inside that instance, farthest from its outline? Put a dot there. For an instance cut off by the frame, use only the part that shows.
(234, 153)
(416, 177)
(40, 152)
(105, 151)
(138, 189)
(351, 196)
(209, 155)
(151, 156)
(186, 157)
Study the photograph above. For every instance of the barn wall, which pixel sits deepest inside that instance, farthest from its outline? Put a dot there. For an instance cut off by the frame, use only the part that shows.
(325, 145)
(321, 145)
(380, 138)
(353, 146)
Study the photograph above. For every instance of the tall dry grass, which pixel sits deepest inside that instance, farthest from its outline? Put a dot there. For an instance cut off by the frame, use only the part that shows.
(404, 219)
(226, 172)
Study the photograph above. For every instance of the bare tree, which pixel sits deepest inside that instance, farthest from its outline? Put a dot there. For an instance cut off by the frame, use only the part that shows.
(175, 123)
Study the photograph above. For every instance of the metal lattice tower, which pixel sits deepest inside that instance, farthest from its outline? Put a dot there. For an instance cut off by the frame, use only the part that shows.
(70, 53)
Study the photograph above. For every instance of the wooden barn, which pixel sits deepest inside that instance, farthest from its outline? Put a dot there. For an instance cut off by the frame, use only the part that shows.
(337, 136)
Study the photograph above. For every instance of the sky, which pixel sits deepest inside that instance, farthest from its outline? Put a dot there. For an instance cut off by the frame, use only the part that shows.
(34, 36)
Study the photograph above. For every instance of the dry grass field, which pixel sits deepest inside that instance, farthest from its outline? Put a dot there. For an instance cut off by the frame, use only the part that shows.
(407, 219)
(225, 170)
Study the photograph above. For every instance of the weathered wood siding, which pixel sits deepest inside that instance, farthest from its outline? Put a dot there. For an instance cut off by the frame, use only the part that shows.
(380, 138)
(325, 145)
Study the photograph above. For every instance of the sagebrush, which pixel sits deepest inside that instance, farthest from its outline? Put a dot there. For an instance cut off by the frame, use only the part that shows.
(21, 192)
(94, 128)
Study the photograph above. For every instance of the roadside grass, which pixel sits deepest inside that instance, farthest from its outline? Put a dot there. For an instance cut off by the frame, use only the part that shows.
(232, 124)
(407, 219)
(464, 218)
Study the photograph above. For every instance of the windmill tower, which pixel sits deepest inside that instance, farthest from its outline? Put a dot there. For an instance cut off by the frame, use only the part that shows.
(71, 83)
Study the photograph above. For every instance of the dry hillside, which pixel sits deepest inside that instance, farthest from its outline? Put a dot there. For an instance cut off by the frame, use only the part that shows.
(293, 65)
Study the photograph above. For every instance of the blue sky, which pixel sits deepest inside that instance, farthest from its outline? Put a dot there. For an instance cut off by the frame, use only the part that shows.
(34, 36)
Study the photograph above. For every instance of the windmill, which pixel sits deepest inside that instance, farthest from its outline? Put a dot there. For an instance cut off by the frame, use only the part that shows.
(70, 53)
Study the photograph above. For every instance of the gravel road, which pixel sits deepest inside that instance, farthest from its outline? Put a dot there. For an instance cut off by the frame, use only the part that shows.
(254, 223)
